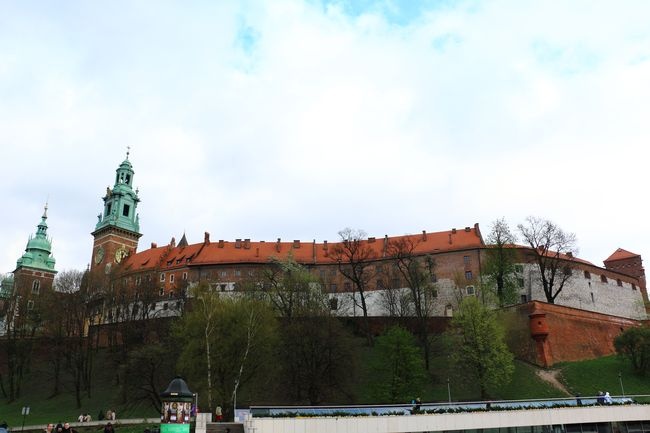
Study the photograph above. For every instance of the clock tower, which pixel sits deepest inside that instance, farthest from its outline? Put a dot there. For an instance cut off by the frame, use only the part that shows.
(117, 231)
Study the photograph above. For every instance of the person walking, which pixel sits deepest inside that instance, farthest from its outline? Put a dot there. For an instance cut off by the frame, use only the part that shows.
(108, 428)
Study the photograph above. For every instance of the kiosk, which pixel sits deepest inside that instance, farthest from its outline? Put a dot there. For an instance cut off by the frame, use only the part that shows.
(176, 407)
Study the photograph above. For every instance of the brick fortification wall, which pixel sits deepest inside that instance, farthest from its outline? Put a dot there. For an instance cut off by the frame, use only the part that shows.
(571, 334)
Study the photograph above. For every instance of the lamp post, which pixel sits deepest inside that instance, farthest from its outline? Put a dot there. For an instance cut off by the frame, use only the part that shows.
(620, 379)
(449, 390)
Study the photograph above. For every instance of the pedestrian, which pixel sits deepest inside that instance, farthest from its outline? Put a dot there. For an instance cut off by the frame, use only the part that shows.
(49, 428)
(80, 418)
(578, 399)
(108, 428)
(67, 428)
(218, 414)
(607, 398)
(601, 398)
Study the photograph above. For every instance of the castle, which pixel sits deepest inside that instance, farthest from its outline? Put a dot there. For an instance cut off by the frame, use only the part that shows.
(618, 289)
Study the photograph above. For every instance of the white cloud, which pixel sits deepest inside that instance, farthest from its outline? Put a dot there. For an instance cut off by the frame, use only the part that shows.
(291, 119)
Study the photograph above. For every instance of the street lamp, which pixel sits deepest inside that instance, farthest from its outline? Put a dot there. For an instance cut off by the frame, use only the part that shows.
(449, 390)
(620, 379)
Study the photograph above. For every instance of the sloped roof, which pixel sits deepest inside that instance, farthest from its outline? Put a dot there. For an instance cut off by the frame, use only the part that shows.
(620, 254)
(245, 251)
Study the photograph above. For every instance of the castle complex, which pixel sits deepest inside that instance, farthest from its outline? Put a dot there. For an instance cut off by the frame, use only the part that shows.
(617, 289)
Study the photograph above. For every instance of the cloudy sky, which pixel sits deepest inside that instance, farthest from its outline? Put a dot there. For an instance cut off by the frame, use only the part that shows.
(296, 119)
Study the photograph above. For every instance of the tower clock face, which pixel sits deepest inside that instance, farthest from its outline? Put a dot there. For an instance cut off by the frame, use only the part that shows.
(99, 255)
(120, 254)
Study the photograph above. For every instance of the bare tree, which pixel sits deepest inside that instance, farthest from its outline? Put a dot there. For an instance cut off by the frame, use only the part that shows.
(553, 251)
(417, 271)
(354, 257)
(499, 266)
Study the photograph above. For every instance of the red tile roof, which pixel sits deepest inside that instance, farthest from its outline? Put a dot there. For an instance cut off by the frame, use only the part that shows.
(245, 251)
(620, 254)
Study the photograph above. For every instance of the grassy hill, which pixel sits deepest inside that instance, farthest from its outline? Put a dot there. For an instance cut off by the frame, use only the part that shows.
(585, 377)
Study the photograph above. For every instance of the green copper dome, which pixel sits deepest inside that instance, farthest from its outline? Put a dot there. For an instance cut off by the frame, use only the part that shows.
(121, 201)
(38, 253)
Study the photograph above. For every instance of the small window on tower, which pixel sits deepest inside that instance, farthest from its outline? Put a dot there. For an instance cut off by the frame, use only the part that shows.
(128, 178)
(36, 287)
(125, 210)
(108, 208)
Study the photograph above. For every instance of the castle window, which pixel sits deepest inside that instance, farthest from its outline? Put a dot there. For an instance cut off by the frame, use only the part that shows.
(467, 260)
(128, 178)
(184, 276)
(162, 277)
(470, 290)
(347, 286)
(108, 208)
(30, 305)
(468, 275)
(619, 283)
(125, 210)
(238, 273)
(603, 278)
(587, 275)
(171, 278)
(592, 297)
(519, 269)
(161, 292)
(36, 287)
(633, 287)
(171, 294)
(333, 287)
(520, 283)
(334, 303)
(223, 273)
(523, 299)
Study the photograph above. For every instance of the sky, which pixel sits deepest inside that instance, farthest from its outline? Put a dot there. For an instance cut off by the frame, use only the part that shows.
(296, 119)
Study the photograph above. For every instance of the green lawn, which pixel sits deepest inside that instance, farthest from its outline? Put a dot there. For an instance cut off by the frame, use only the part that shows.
(602, 374)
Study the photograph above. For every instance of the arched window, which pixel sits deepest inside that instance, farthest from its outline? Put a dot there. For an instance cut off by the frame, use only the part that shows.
(36, 287)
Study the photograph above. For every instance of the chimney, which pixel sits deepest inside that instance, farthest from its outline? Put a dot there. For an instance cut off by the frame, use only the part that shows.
(313, 250)
(371, 240)
(296, 243)
(467, 229)
(325, 245)
(237, 243)
(172, 243)
(385, 245)
(206, 238)
(424, 235)
(453, 231)
(277, 245)
(247, 244)
(154, 245)
(221, 243)
(569, 254)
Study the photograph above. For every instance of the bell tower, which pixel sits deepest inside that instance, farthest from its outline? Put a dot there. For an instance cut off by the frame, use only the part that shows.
(117, 231)
(35, 271)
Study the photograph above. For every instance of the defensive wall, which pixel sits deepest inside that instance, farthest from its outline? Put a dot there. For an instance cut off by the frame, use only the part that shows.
(545, 334)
